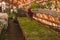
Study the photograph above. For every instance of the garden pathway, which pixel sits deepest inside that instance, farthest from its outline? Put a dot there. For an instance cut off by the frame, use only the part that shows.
(14, 32)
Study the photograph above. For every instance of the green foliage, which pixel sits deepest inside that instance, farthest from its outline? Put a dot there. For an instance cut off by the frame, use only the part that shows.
(37, 5)
(12, 15)
(56, 6)
(42, 6)
(1, 25)
(49, 4)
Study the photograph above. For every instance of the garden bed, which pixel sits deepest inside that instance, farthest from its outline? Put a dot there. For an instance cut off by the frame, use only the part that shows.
(35, 31)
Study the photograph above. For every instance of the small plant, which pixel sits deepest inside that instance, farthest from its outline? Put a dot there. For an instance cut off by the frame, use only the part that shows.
(56, 5)
(1, 25)
(49, 4)
(12, 16)
(37, 5)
